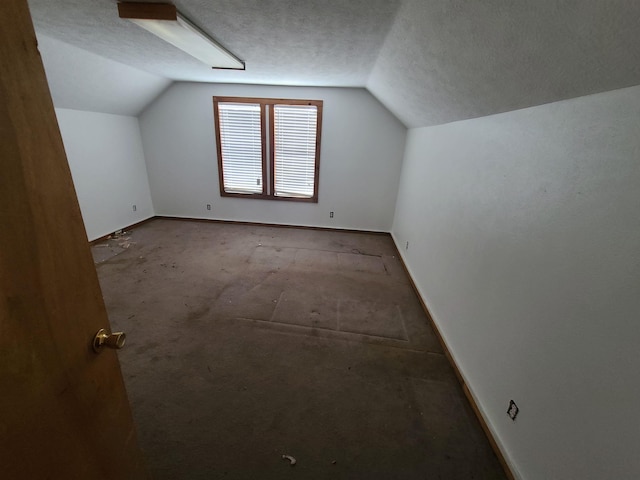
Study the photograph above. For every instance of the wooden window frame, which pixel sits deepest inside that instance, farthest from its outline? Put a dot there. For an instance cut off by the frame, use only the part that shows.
(268, 164)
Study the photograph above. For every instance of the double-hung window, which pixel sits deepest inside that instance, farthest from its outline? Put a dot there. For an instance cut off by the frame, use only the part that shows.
(268, 148)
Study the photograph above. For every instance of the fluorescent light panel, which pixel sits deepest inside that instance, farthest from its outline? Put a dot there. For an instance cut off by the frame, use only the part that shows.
(164, 21)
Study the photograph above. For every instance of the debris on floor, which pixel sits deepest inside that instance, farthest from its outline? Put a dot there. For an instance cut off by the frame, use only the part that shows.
(113, 245)
(284, 372)
(290, 458)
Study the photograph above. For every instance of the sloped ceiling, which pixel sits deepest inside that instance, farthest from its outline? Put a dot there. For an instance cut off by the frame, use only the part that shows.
(85, 81)
(428, 61)
(456, 59)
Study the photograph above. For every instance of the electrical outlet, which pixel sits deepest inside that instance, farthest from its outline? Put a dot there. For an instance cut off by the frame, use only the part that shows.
(330, 214)
(135, 208)
(513, 410)
(208, 206)
(406, 247)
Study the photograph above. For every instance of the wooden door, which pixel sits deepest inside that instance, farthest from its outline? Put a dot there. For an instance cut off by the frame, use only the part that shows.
(64, 412)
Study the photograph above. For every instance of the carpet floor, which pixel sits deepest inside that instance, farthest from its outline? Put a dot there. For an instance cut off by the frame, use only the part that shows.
(246, 343)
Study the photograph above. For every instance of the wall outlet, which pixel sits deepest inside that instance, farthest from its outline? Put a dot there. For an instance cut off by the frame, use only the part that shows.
(406, 247)
(330, 214)
(208, 206)
(513, 410)
(135, 208)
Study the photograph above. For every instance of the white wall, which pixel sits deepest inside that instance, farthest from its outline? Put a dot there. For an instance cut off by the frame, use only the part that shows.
(524, 240)
(361, 154)
(107, 164)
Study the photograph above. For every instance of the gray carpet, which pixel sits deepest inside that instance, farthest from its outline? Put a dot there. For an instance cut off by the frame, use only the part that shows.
(245, 343)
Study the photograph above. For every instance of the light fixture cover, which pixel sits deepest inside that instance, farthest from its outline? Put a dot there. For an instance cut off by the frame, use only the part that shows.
(179, 32)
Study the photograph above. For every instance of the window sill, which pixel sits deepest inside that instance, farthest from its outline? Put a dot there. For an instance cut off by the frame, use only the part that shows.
(256, 196)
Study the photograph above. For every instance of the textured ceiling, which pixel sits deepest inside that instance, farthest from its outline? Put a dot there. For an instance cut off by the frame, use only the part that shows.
(85, 81)
(428, 61)
(455, 59)
(318, 42)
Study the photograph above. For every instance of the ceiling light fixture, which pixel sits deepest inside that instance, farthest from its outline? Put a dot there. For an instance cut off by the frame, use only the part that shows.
(164, 21)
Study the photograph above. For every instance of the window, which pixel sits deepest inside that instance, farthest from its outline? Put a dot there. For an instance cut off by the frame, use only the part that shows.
(268, 148)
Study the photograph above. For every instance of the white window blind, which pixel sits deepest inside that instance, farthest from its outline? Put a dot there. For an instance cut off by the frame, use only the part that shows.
(294, 148)
(241, 147)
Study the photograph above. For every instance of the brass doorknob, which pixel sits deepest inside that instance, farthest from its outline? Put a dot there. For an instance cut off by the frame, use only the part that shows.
(113, 340)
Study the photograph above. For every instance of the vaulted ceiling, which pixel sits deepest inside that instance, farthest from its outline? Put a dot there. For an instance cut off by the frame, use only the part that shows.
(428, 61)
